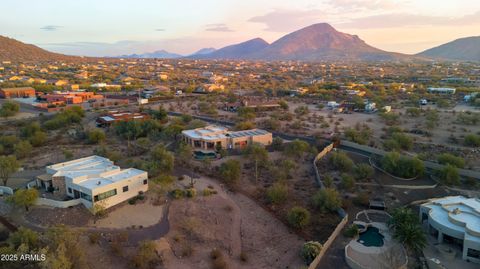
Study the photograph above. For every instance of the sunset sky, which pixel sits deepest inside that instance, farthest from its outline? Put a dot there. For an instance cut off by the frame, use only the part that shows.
(116, 27)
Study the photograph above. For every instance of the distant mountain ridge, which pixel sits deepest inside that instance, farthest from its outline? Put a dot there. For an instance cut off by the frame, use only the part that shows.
(13, 50)
(237, 51)
(462, 49)
(161, 54)
(313, 43)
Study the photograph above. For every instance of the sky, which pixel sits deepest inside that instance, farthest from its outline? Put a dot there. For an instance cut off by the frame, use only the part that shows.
(119, 27)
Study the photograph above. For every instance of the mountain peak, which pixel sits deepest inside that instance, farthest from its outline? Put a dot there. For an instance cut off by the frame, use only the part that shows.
(14, 50)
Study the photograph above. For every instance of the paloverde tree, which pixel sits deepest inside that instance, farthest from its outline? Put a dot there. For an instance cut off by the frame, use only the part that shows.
(296, 148)
(258, 155)
(230, 171)
(24, 198)
(8, 166)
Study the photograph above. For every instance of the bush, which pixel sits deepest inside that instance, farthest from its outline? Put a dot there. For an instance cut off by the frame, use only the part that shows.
(402, 166)
(94, 237)
(351, 231)
(191, 192)
(96, 136)
(472, 140)
(327, 200)
(298, 217)
(340, 161)
(218, 261)
(277, 193)
(178, 193)
(447, 158)
(362, 199)
(208, 192)
(230, 171)
(310, 251)
(449, 175)
(363, 171)
(347, 182)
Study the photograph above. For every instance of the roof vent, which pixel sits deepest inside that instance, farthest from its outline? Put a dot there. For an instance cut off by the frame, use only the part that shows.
(99, 182)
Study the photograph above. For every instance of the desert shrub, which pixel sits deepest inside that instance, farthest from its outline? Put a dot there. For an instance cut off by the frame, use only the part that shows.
(449, 175)
(310, 251)
(177, 193)
(347, 182)
(363, 171)
(277, 193)
(298, 217)
(351, 231)
(447, 158)
(96, 136)
(191, 192)
(208, 192)
(327, 200)
(362, 199)
(243, 256)
(340, 161)
(402, 166)
(94, 237)
(328, 181)
(218, 261)
(472, 140)
(146, 256)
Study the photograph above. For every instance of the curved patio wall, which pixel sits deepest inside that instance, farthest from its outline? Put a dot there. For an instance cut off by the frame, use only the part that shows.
(6, 190)
(59, 204)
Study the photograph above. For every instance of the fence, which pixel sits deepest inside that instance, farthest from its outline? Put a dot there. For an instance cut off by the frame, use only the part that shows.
(60, 204)
(362, 149)
(319, 156)
(329, 241)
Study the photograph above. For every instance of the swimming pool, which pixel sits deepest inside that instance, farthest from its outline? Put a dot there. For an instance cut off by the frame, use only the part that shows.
(371, 238)
(200, 155)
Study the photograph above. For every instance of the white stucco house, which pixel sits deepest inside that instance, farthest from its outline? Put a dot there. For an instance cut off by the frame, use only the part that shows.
(93, 180)
(456, 220)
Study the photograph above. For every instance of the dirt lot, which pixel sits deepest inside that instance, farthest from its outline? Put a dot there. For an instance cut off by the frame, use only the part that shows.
(236, 226)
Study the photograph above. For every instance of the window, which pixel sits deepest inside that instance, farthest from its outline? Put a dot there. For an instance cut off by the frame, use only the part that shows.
(125, 188)
(85, 196)
(473, 253)
(145, 182)
(105, 195)
(69, 190)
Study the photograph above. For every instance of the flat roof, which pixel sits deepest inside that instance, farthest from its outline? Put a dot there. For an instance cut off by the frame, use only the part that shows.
(465, 213)
(92, 172)
(214, 132)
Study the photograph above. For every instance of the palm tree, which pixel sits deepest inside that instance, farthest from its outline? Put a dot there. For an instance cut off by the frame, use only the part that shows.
(412, 236)
(407, 230)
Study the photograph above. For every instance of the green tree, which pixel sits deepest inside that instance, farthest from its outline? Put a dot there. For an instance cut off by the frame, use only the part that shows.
(38, 138)
(22, 149)
(96, 136)
(296, 148)
(162, 161)
(23, 197)
(347, 182)
(9, 108)
(230, 171)
(327, 199)
(8, 166)
(258, 155)
(298, 217)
